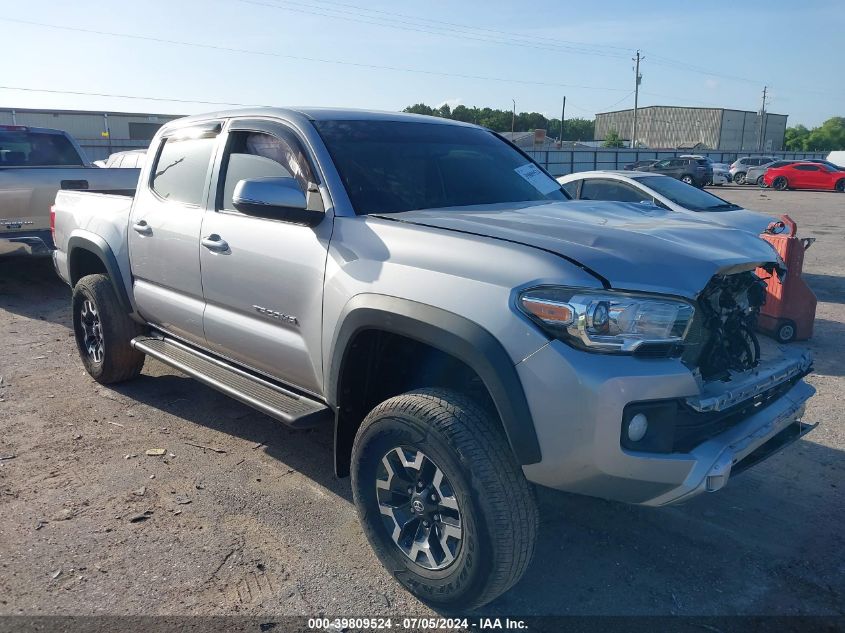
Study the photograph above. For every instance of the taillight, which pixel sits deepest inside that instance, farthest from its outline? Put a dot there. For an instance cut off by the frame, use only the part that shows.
(53, 222)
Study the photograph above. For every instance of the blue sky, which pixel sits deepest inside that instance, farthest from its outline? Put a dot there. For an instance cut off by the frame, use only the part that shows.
(709, 53)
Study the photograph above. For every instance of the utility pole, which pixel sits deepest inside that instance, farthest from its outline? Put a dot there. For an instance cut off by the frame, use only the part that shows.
(562, 112)
(760, 141)
(637, 79)
(513, 118)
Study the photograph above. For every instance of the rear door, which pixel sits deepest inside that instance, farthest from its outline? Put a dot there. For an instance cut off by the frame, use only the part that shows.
(164, 231)
(264, 290)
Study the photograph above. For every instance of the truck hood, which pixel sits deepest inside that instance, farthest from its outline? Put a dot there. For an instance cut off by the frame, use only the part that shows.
(626, 245)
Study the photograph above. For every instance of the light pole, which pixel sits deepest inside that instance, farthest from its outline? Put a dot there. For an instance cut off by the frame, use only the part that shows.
(513, 119)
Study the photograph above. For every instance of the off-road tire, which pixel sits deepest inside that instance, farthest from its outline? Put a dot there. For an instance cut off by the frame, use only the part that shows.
(497, 504)
(119, 361)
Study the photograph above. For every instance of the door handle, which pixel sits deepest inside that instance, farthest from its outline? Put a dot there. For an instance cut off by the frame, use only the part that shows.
(142, 227)
(215, 243)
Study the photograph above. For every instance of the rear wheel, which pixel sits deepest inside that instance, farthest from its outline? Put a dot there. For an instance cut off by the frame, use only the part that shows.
(840, 185)
(442, 499)
(103, 330)
(739, 177)
(780, 183)
(760, 182)
(687, 179)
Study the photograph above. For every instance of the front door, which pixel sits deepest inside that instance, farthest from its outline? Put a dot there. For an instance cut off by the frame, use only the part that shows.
(264, 290)
(164, 232)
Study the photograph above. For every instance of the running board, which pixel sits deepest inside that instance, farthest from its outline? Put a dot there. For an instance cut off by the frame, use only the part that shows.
(295, 410)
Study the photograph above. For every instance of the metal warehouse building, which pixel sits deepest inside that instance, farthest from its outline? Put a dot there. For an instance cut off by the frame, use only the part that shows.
(690, 128)
(99, 133)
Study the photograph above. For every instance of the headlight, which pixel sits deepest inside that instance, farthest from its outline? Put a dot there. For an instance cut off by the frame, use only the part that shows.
(607, 320)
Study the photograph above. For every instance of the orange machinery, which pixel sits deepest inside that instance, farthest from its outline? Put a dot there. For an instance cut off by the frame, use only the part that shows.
(790, 307)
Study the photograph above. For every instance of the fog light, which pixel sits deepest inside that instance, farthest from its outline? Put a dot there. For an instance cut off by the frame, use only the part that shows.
(637, 427)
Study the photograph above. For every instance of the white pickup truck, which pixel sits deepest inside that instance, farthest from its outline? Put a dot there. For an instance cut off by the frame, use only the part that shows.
(35, 163)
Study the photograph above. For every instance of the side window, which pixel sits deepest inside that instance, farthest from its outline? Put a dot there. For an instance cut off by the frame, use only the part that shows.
(181, 169)
(571, 188)
(806, 167)
(611, 190)
(253, 155)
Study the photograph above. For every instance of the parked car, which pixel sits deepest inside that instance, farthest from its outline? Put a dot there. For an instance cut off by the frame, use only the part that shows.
(665, 192)
(430, 291)
(129, 159)
(721, 174)
(837, 158)
(741, 166)
(805, 175)
(754, 175)
(34, 164)
(692, 171)
(639, 164)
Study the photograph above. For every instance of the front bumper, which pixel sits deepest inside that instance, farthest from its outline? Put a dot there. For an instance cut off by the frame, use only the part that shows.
(29, 243)
(577, 402)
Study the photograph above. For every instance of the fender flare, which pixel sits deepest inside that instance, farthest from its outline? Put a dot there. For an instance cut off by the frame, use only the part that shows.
(98, 246)
(452, 334)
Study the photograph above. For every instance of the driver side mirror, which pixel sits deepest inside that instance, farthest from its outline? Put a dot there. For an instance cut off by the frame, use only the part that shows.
(274, 199)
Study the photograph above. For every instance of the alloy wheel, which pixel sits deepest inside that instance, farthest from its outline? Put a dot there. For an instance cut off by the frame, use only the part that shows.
(419, 508)
(92, 331)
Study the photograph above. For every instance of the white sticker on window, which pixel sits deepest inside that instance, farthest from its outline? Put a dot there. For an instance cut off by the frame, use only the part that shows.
(537, 178)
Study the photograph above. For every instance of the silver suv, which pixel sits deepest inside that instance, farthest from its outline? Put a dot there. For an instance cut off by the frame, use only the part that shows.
(424, 287)
(741, 166)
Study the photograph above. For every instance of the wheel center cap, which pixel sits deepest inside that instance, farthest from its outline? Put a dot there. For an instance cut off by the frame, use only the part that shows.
(417, 506)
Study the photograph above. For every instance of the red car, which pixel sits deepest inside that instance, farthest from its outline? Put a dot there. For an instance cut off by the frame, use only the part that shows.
(805, 176)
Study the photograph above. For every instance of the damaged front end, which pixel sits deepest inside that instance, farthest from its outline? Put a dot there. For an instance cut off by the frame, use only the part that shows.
(729, 307)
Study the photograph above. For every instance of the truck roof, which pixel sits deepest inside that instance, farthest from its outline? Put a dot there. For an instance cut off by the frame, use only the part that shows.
(315, 114)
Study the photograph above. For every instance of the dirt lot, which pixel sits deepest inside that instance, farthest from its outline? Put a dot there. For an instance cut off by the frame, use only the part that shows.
(260, 525)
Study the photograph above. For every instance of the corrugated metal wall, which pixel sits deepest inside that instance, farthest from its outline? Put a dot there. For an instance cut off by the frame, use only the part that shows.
(715, 128)
(88, 127)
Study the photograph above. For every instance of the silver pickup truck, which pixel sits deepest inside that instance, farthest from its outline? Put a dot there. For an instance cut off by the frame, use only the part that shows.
(34, 164)
(426, 288)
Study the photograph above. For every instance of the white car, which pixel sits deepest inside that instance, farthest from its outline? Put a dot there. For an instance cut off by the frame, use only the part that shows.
(663, 191)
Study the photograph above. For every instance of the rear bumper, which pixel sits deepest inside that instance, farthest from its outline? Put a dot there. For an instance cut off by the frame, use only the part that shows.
(27, 243)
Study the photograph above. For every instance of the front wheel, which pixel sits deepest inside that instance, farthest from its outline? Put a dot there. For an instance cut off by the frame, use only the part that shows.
(687, 180)
(739, 177)
(780, 183)
(103, 330)
(840, 186)
(442, 499)
(760, 182)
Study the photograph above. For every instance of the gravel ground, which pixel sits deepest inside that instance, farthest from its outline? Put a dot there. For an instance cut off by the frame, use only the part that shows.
(241, 516)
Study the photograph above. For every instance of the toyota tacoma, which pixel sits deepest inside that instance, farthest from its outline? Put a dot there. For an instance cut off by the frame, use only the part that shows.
(427, 289)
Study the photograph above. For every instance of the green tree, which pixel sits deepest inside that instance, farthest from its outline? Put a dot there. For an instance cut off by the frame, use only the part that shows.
(830, 135)
(613, 140)
(500, 120)
(795, 137)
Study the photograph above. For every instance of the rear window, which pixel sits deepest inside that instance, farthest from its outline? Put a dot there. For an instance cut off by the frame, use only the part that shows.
(20, 148)
(181, 170)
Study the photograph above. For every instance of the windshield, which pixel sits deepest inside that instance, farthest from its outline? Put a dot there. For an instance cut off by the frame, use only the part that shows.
(686, 196)
(21, 148)
(395, 166)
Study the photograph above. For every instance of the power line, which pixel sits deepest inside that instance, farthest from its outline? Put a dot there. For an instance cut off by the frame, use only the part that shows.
(474, 28)
(229, 49)
(311, 10)
(120, 96)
